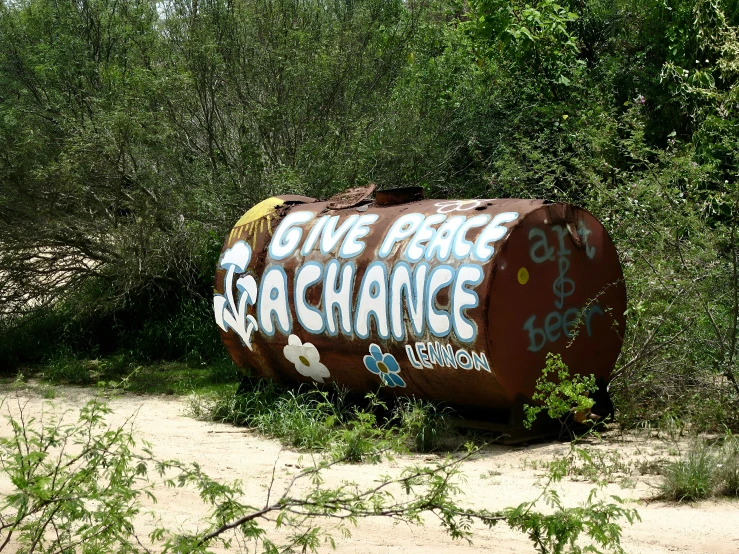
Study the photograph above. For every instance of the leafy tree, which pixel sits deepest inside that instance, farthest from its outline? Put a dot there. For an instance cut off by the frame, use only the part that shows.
(132, 136)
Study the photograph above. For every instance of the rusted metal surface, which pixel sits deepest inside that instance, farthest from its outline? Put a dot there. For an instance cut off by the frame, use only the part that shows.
(350, 197)
(448, 300)
(394, 197)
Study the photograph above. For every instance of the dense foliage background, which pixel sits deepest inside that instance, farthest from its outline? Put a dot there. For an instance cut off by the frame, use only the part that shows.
(133, 134)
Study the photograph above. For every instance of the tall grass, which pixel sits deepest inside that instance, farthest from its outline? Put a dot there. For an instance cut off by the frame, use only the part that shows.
(425, 424)
(707, 470)
(313, 419)
(303, 418)
(728, 469)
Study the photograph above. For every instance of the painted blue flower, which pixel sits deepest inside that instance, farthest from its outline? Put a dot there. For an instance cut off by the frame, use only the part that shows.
(385, 366)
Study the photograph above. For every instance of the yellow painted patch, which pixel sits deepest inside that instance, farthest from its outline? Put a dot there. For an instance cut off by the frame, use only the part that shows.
(263, 209)
(256, 220)
(523, 275)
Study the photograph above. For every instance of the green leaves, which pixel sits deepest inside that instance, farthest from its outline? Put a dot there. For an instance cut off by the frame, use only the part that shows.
(536, 37)
(560, 394)
(78, 479)
(79, 487)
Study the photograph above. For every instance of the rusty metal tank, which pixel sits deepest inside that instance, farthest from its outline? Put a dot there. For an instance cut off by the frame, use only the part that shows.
(448, 300)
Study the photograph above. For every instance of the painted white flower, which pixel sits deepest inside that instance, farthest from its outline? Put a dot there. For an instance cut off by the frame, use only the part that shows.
(306, 358)
(458, 205)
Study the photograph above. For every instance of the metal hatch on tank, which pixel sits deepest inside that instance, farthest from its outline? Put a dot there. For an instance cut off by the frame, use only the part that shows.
(457, 301)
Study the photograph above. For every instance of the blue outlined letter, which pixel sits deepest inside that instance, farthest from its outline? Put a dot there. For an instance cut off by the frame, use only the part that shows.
(288, 235)
(372, 302)
(273, 301)
(309, 317)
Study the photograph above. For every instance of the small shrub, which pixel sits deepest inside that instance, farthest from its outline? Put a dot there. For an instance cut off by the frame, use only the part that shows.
(598, 466)
(90, 497)
(649, 467)
(708, 469)
(423, 423)
(302, 418)
(65, 368)
(728, 468)
(185, 332)
(561, 394)
(692, 478)
(308, 418)
(363, 439)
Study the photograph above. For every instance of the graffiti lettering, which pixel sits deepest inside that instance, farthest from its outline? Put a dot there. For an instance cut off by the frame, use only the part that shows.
(461, 246)
(449, 239)
(563, 286)
(351, 246)
(441, 245)
(389, 300)
(372, 302)
(287, 236)
(327, 236)
(540, 250)
(561, 234)
(414, 251)
(403, 228)
(403, 286)
(463, 298)
(426, 241)
(331, 236)
(439, 321)
(273, 302)
(584, 233)
(429, 354)
(557, 323)
(338, 297)
(309, 317)
(382, 300)
(492, 233)
(313, 236)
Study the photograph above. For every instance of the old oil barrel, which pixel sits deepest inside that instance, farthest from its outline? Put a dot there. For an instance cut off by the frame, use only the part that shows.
(449, 300)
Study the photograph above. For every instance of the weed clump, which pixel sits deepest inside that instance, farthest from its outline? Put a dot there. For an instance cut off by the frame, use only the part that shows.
(707, 470)
(423, 423)
(302, 418)
(690, 479)
(728, 468)
(315, 419)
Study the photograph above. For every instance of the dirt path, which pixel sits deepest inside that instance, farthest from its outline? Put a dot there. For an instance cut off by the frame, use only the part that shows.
(499, 477)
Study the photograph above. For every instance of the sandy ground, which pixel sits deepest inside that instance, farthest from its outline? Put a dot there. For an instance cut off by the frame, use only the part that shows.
(498, 477)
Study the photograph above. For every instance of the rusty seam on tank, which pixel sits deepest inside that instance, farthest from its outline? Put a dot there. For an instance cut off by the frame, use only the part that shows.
(571, 228)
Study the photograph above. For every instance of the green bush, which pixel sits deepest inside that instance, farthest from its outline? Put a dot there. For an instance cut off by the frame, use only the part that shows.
(327, 420)
(692, 478)
(303, 418)
(64, 335)
(728, 468)
(424, 423)
(186, 332)
(560, 394)
(707, 470)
